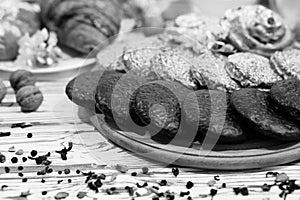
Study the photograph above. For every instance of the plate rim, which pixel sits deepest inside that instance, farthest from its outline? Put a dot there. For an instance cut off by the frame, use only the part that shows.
(205, 162)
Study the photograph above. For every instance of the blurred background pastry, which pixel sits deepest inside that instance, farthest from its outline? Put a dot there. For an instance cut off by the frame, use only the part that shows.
(16, 19)
(84, 25)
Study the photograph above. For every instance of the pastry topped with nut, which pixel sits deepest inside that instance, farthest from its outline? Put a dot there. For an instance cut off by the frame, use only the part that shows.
(256, 29)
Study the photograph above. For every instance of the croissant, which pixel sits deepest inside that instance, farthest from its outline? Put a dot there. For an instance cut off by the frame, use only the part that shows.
(84, 26)
(16, 19)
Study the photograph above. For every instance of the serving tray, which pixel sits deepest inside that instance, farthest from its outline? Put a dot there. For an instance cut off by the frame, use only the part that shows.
(253, 154)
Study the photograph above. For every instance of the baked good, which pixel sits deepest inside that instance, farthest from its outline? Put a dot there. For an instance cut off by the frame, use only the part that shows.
(210, 112)
(287, 63)
(81, 89)
(286, 96)
(257, 29)
(16, 19)
(84, 26)
(211, 68)
(157, 105)
(113, 96)
(254, 108)
(251, 70)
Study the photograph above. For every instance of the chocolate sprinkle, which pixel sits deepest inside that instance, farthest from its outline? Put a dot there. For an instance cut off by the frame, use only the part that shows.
(21, 125)
(14, 160)
(175, 171)
(2, 158)
(5, 134)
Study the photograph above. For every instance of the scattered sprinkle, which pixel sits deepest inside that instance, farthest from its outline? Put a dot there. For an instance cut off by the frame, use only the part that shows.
(25, 194)
(12, 149)
(175, 171)
(217, 178)
(211, 183)
(121, 168)
(6, 169)
(24, 159)
(102, 176)
(133, 174)
(69, 180)
(189, 185)
(244, 191)
(61, 195)
(272, 174)
(129, 190)
(283, 177)
(20, 168)
(163, 183)
(265, 187)
(236, 190)
(224, 185)
(213, 192)
(63, 153)
(3, 187)
(2, 158)
(43, 180)
(33, 153)
(59, 181)
(21, 125)
(44, 193)
(14, 160)
(20, 152)
(78, 171)
(5, 134)
(59, 172)
(81, 195)
(182, 194)
(20, 174)
(29, 135)
(142, 186)
(24, 180)
(67, 171)
(145, 170)
(42, 160)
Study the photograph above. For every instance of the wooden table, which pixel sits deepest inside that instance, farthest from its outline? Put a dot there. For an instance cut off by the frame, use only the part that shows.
(56, 123)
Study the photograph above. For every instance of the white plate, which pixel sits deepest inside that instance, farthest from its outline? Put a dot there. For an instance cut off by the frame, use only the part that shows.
(63, 69)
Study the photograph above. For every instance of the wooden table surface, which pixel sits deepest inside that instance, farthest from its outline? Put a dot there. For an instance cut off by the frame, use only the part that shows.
(57, 122)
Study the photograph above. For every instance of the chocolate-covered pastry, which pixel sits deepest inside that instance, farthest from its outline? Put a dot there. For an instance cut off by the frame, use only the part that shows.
(158, 106)
(254, 108)
(250, 69)
(256, 29)
(114, 93)
(213, 116)
(286, 95)
(287, 63)
(81, 90)
(16, 19)
(84, 25)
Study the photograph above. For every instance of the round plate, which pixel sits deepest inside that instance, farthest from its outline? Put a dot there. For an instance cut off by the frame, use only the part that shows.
(64, 68)
(250, 155)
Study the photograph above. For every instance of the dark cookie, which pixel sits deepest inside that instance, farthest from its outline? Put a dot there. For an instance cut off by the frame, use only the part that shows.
(81, 89)
(113, 96)
(209, 110)
(254, 108)
(158, 106)
(286, 95)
